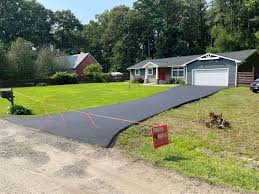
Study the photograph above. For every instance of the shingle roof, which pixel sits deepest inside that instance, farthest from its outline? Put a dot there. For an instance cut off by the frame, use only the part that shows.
(75, 60)
(177, 61)
(238, 55)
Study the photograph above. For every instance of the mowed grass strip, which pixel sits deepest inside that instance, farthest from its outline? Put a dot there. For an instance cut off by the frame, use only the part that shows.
(78, 97)
(226, 157)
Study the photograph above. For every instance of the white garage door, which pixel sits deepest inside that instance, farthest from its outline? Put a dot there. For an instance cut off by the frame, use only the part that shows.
(210, 77)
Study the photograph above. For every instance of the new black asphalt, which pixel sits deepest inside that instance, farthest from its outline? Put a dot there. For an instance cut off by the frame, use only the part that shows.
(78, 126)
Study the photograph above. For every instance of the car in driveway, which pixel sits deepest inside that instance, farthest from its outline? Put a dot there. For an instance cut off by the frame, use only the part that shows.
(255, 86)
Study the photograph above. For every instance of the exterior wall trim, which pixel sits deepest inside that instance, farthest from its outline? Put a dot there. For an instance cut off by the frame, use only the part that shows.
(213, 58)
(208, 70)
(236, 74)
(150, 63)
(138, 73)
(184, 71)
(150, 73)
(186, 75)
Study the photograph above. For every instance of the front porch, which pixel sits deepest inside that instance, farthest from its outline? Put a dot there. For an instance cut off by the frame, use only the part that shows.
(161, 75)
(156, 75)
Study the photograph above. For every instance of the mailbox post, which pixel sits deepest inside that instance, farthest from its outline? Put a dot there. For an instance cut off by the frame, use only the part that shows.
(7, 94)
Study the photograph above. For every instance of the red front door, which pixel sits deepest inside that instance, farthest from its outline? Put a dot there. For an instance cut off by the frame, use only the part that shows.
(162, 73)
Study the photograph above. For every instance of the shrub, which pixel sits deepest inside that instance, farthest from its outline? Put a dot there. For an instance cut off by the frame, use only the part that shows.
(19, 110)
(176, 81)
(138, 80)
(62, 78)
(93, 71)
(106, 77)
(41, 84)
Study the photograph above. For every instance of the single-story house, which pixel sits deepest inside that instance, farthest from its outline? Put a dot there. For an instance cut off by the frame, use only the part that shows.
(219, 69)
(77, 63)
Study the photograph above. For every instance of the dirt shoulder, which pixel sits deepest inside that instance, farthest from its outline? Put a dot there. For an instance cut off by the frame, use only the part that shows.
(34, 162)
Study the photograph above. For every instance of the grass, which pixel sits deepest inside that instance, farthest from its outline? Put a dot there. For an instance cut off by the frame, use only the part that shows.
(78, 97)
(225, 157)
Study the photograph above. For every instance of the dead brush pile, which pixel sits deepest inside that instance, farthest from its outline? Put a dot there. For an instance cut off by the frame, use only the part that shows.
(216, 121)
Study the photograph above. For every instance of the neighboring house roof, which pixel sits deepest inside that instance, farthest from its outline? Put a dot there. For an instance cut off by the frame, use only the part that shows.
(179, 61)
(75, 60)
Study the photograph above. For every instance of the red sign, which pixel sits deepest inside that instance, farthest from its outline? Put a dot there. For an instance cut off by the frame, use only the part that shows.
(160, 136)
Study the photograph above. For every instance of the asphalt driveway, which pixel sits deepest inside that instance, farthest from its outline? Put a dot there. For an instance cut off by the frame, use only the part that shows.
(78, 126)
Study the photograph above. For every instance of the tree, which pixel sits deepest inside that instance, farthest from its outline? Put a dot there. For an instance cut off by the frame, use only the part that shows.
(22, 59)
(115, 38)
(46, 63)
(67, 32)
(118, 57)
(194, 26)
(4, 66)
(116, 30)
(237, 23)
(92, 38)
(26, 19)
(148, 10)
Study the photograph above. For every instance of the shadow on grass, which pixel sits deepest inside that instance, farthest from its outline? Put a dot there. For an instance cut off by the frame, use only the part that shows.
(175, 159)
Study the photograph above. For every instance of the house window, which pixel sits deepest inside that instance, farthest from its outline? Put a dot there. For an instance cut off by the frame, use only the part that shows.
(137, 71)
(178, 72)
(150, 72)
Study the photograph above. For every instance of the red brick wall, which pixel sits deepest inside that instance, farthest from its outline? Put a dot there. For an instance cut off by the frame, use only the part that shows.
(87, 61)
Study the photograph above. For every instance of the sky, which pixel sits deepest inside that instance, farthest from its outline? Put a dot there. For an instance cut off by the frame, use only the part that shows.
(85, 10)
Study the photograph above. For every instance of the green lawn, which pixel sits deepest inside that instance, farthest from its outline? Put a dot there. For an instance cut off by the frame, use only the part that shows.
(225, 157)
(78, 97)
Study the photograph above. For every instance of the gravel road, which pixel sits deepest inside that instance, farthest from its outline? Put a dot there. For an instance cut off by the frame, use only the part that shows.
(34, 162)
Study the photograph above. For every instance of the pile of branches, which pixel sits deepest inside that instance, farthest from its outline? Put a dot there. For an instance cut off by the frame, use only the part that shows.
(217, 121)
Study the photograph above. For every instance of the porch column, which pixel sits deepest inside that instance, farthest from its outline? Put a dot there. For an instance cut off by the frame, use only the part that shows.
(157, 75)
(146, 78)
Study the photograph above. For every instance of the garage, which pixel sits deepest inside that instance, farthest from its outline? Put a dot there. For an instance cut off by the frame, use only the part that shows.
(211, 77)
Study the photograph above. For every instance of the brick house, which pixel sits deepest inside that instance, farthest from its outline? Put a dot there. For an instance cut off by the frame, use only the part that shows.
(77, 63)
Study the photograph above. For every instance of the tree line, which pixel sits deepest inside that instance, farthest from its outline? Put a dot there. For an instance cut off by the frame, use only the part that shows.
(22, 62)
(123, 36)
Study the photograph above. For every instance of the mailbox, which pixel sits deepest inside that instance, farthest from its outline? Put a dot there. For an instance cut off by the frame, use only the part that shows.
(7, 94)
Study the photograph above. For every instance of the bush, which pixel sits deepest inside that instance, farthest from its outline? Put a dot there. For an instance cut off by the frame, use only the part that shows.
(106, 77)
(94, 71)
(62, 78)
(19, 110)
(41, 84)
(138, 80)
(176, 81)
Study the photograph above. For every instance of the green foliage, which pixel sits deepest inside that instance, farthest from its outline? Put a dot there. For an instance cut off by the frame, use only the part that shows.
(63, 78)
(137, 80)
(22, 59)
(106, 77)
(19, 110)
(67, 32)
(233, 25)
(177, 81)
(118, 59)
(46, 63)
(22, 62)
(4, 65)
(27, 19)
(123, 36)
(224, 41)
(93, 71)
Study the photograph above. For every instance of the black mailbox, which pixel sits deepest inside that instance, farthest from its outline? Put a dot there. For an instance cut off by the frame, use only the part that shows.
(7, 94)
